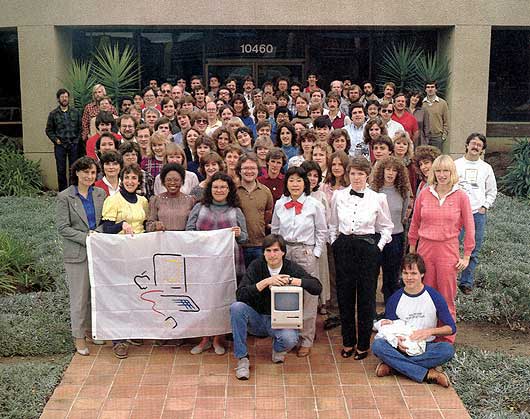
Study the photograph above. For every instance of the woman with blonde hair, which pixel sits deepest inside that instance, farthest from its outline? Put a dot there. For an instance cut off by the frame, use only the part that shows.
(440, 212)
(391, 178)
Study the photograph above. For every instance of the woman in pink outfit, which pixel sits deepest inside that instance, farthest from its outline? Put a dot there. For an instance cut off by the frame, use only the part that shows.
(440, 212)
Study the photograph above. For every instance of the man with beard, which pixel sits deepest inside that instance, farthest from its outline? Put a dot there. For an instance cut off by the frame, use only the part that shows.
(368, 89)
(478, 181)
(127, 127)
(64, 130)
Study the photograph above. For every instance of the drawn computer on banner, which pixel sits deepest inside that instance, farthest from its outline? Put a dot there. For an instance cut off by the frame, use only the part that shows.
(169, 283)
(287, 307)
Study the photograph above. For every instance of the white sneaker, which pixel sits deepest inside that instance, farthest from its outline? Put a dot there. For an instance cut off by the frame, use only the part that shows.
(219, 349)
(278, 357)
(243, 369)
(198, 349)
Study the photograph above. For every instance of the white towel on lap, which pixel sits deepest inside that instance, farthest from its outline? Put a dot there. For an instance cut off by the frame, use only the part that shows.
(399, 328)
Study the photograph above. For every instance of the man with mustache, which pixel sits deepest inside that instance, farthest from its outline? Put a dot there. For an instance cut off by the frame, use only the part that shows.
(478, 181)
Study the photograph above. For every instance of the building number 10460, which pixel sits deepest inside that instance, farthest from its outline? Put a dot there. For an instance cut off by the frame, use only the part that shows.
(256, 48)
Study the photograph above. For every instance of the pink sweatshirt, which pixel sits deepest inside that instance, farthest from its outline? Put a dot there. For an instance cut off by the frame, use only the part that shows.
(436, 222)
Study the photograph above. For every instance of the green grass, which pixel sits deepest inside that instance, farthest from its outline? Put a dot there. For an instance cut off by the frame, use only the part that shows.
(502, 292)
(26, 385)
(491, 384)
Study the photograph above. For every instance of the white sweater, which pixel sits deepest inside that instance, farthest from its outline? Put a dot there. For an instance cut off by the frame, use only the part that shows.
(478, 181)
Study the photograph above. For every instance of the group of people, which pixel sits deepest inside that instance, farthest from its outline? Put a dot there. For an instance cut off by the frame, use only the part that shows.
(321, 190)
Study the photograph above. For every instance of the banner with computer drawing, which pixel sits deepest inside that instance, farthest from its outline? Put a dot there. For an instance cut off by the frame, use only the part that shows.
(164, 285)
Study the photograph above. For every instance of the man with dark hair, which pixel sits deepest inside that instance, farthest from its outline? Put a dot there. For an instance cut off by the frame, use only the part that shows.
(422, 311)
(214, 84)
(199, 94)
(248, 87)
(256, 204)
(224, 93)
(231, 84)
(195, 81)
(368, 89)
(296, 90)
(252, 310)
(63, 128)
(282, 114)
(356, 129)
(105, 122)
(322, 127)
(125, 104)
(478, 181)
(438, 113)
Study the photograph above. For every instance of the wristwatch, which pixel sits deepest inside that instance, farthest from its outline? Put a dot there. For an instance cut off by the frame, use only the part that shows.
(290, 280)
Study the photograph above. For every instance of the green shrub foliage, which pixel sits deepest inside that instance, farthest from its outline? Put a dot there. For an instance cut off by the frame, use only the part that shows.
(18, 175)
(516, 182)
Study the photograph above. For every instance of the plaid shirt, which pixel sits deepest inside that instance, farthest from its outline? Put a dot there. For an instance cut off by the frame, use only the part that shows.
(147, 187)
(152, 165)
(91, 111)
(64, 125)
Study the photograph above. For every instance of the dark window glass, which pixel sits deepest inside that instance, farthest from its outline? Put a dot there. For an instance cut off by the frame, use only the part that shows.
(10, 115)
(509, 81)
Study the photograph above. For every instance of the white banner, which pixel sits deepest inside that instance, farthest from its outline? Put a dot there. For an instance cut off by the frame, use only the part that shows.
(164, 285)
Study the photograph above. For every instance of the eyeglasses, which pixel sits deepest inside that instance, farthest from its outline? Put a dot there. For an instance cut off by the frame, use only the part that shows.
(166, 91)
(386, 111)
(202, 121)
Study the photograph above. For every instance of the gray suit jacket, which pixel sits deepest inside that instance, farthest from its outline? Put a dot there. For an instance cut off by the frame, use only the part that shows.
(72, 222)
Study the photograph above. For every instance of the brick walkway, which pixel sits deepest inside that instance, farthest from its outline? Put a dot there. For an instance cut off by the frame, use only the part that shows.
(168, 382)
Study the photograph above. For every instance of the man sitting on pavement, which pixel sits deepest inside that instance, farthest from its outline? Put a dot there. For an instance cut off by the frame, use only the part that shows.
(252, 310)
(422, 308)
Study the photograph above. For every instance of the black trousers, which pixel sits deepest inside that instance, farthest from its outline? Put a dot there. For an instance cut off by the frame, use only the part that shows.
(62, 154)
(391, 265)
(357, 264)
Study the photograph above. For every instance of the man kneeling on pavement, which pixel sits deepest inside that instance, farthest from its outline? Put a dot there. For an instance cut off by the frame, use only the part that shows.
(419, 309)
(252, 310)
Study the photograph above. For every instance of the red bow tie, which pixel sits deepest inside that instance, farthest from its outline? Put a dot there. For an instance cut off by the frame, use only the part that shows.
(297, 206)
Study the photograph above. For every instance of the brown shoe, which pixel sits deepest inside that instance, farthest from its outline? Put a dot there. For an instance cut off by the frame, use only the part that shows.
(437, 377)
(303, 351)
(121, 350)
(383, 370)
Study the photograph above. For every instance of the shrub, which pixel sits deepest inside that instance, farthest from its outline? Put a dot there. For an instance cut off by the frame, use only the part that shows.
(18, 175)
(26, 386)
(502, 292)
(491, 384)
(35, 323)
(516, 182)
(19, 271)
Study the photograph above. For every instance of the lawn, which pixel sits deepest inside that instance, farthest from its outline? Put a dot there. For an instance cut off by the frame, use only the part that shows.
(37, 324)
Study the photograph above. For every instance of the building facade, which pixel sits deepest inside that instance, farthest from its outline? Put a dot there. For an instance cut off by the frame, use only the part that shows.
(487, 43)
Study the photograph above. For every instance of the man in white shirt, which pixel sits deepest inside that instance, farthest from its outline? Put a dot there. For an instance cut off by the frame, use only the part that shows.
(356, 129)
(478, 181)
(386, 110)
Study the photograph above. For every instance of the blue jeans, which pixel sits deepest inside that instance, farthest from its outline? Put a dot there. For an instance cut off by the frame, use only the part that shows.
(251, 253)
(414, 367)
(468, 275)
(244, 318)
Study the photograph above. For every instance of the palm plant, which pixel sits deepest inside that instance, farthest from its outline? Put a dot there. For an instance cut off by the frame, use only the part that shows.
(117, 71)
(409, 67)
(79, 82)
(429, 67)
(398, 64)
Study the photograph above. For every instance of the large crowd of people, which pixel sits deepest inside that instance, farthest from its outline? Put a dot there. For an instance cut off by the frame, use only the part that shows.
(323, 190)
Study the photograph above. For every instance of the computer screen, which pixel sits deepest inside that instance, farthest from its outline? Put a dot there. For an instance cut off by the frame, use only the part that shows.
(286, 301)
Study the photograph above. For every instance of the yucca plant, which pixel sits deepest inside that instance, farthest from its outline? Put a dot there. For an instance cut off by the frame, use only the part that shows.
(429, 67)
(516, 182)
(117, 71)
(79, 82)
(398, 64)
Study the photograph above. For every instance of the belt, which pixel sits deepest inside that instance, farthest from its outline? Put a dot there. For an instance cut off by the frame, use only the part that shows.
(297, 244)
(369, 238)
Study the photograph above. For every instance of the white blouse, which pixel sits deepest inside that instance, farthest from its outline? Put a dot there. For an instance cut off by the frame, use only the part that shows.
(309, 227)
(351, 214)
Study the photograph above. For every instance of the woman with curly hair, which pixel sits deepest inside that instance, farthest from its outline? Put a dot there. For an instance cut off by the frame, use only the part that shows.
(424, 157)
(373, 129)
(218, 209)
(391, 178)
(223, 137)
(404, 150)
